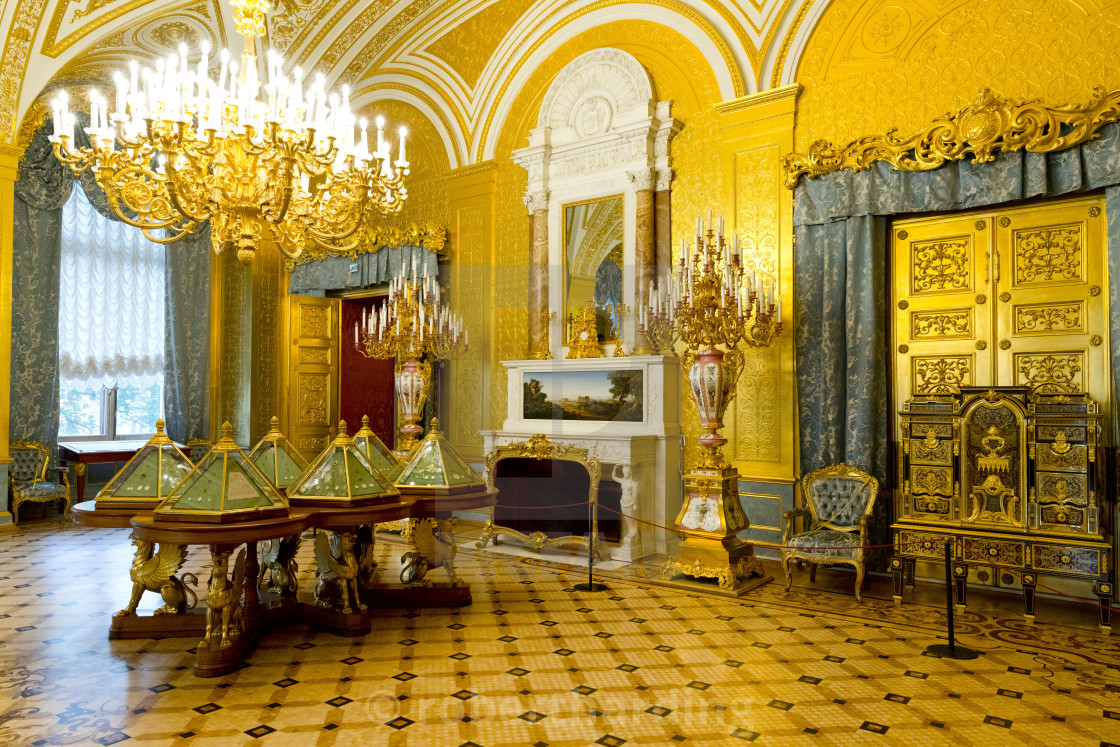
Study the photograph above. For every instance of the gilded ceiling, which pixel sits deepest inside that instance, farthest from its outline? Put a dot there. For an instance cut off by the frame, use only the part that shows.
(458, 62)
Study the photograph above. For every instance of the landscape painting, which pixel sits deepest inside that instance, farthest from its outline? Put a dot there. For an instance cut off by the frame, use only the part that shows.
(583, 395)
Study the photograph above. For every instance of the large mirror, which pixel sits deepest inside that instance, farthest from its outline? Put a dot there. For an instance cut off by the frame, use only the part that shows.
(593, 264)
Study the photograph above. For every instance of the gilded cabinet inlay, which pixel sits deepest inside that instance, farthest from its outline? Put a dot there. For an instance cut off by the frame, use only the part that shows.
(1072, 460)
(1068, 560)
(1051, 373)
(1061, 489)
(931, 480)
(923, 452)
(937, 375)
(953, 323)
(941, 265)
(1042, 318)
(1046, 255)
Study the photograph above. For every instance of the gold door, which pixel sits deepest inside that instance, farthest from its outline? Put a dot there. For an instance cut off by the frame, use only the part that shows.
(1052, 317)
(313, 373)
(1014, 297)
(941, 295)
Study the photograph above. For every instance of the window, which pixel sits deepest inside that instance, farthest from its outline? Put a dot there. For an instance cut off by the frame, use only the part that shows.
(110, 326)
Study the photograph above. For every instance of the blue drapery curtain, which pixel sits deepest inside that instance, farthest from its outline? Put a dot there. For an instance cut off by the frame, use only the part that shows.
(186, 376)
(337, 273)
(842, 315)
(42, 189)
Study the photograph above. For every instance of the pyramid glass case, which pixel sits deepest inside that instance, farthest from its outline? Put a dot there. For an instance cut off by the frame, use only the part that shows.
(277, 458)
(435, 468)
(374, 449)
(224, 487)
(342, 476)
(148, 477)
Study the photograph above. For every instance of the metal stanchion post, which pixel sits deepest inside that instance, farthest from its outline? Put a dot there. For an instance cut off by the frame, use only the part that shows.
(952, 650)
(592, 537)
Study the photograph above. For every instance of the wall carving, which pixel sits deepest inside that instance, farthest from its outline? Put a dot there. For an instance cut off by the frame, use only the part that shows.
(1047, 254)
(314, 389)
(1056, 373)
(468, 370)
(1036, 318)
(943, 324)
(941, 265)
(314, 321)
(937, 375)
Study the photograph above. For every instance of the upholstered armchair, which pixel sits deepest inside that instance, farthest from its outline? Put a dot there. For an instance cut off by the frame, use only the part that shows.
(27, 477)
(839, 501)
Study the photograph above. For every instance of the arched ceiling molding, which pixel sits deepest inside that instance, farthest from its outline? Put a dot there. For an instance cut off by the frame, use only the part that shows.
(506, 83)
(802, 21)
(431, 88)
(400, 88)
(437, 75)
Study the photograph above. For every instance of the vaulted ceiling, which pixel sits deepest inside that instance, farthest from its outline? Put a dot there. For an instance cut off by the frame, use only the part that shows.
(458, 62)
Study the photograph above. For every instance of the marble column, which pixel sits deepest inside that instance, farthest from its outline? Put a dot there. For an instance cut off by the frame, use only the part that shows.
(645, 257)
(537, 204)
(663, 222)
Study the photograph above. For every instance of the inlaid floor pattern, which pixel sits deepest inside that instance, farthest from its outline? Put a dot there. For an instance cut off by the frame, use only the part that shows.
(534, 662)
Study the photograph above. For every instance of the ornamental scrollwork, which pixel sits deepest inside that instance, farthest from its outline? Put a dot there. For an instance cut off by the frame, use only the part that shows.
(981, 131)
(1048, 254)
(433, 237)
(941, 265)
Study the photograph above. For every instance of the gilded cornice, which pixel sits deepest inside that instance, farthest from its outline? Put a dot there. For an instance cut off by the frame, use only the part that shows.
(758, 99)
(433, 237)
(982, 130)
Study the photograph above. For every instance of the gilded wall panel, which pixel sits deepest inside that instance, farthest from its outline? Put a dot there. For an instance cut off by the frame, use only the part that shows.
(944, 325)
(871, 66)
(234, 367)
(267, 335)
(470, 260)
(757, 429)
(941, 265)
(940, 375)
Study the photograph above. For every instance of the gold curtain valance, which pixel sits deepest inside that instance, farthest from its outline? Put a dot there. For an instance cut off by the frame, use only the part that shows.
(985, 128)
(434, 238)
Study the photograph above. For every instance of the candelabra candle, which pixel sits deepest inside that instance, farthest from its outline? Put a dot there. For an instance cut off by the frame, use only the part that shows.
(238, 152)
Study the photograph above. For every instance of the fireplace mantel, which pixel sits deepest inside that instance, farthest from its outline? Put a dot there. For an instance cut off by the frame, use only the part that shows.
(651, 446)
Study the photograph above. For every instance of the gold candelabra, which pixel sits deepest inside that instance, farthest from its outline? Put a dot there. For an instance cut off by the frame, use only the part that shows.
(712, 304)
(410, 325)
(259, 160)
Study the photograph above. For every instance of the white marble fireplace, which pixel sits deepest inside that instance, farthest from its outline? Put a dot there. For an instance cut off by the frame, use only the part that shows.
(652, 446)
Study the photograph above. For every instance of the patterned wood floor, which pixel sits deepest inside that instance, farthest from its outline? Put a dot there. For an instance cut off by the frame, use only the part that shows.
(533, 662)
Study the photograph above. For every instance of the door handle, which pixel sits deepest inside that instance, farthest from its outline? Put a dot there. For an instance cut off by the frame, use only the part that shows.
(997, 265)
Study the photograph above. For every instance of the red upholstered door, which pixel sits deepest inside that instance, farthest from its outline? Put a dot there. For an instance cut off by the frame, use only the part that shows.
(365, 384)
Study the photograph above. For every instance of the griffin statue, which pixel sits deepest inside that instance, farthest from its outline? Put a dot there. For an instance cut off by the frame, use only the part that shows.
(223, 600)
(434, 543)
(338, 572)
(156, 572)
(278, 560)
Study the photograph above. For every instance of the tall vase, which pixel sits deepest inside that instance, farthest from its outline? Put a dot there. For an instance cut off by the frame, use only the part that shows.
(412, 390)
(711, 384)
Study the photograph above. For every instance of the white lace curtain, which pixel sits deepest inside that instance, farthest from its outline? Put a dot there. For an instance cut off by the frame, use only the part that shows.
(111, 308)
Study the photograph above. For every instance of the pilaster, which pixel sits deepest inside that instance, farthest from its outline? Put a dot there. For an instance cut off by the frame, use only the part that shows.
(757, 133)
(9, 172)
(471, 199)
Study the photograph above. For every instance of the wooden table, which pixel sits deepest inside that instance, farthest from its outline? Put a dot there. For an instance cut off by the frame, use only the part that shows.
(258, 611)
(81, 453)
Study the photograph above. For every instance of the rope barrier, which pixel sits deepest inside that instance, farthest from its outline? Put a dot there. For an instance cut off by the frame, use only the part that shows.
(955, 540)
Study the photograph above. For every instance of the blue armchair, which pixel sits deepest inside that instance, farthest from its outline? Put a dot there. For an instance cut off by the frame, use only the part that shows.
(839, 501)
(27, 477)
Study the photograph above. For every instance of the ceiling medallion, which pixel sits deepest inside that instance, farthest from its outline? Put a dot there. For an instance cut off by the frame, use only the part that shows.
(262, 161)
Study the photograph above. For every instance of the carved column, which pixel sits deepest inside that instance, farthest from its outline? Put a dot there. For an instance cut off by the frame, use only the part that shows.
(645, 257)
(537, 203)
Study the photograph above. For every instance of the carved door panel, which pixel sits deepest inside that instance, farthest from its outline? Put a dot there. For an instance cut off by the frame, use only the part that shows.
(942, 307)
(1051, 272)
(313, 373)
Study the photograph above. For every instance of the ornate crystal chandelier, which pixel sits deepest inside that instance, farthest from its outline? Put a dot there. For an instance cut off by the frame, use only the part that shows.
(261, 161)
(412, 323)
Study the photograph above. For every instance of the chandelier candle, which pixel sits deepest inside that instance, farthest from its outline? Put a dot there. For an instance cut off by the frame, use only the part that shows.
(712, 303)
(261, 161)
(412, 323)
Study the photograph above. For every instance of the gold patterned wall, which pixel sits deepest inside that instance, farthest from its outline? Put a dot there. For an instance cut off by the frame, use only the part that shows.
(427, 193)
(871, 66)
